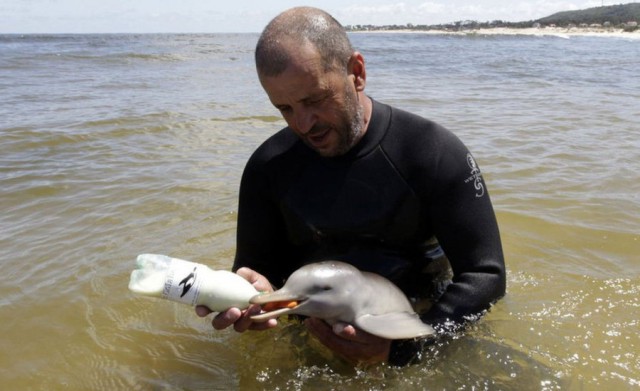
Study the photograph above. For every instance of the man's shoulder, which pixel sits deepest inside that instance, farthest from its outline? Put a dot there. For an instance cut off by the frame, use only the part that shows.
(407, 125)
(413, 132)
(276, 146)
(415, 124)
(414, 142)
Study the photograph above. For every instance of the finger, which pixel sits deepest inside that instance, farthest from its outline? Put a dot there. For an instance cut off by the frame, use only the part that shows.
(249, 274)
(256, 279)
(351, 333)
(346, 331)
(343, 330)
(202, 311)
(226, 318)
(258, 326)
(245, 322)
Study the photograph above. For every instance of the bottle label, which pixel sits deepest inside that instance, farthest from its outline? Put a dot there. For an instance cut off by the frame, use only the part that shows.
(182, 283)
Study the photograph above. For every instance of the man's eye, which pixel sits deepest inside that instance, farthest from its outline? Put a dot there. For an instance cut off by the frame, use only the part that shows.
(316, 101)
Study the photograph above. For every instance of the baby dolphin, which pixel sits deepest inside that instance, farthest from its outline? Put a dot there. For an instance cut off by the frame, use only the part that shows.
(337, 291)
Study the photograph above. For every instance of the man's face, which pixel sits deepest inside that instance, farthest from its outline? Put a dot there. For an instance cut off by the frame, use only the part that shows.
(321, 107)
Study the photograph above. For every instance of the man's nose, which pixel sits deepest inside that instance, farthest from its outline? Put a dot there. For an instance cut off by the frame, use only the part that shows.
(304, 120)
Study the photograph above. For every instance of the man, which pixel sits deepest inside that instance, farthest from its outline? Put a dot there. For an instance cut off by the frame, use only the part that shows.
(355, 180)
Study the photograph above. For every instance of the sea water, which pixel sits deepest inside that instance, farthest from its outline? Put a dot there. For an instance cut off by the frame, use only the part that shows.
(115, 145)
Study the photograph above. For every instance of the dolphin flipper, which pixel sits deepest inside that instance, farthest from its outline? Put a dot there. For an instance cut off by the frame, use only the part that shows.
(394, 325)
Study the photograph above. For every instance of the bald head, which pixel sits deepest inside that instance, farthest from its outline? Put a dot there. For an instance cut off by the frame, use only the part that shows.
(297, 27)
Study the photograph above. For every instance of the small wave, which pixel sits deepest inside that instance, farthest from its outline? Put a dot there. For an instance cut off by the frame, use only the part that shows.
(24, 138)
(35, 38)
(261, 118)
(153, 57)
(128, 57)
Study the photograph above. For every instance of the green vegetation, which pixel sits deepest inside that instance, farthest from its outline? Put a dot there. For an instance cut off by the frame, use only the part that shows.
(610, 16)
(615, 15)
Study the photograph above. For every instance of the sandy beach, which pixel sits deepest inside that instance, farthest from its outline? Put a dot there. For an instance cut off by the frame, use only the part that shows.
(562, 32)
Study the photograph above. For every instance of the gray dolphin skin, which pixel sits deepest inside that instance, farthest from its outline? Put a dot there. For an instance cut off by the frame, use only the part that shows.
(337, 291)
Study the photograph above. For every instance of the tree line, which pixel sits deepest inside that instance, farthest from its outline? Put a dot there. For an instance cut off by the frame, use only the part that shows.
(615, 16)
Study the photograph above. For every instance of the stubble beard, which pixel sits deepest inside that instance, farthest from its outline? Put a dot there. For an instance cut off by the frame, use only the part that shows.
(352, 130)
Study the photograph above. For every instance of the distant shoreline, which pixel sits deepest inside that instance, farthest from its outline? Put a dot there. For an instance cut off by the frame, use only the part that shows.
(562, 32)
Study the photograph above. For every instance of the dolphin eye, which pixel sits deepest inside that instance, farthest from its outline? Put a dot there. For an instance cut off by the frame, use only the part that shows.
(326, 288)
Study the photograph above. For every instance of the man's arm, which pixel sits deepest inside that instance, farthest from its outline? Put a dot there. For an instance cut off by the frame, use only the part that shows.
(466, 228)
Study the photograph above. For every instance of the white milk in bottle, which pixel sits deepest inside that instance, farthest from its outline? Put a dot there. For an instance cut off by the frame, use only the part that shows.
(190, 283)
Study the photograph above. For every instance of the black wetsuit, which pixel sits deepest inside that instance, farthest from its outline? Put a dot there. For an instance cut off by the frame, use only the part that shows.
(408, 186)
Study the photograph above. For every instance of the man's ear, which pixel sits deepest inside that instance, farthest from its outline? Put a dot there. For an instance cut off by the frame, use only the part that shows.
(357, 69)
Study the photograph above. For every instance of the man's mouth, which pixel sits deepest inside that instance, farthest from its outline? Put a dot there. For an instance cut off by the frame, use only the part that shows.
(318, 139)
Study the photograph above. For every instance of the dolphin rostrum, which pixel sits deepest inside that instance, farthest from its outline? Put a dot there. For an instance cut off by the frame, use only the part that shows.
(337, 291)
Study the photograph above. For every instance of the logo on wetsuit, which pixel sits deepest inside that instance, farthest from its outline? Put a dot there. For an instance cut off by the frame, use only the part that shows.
(476, 176)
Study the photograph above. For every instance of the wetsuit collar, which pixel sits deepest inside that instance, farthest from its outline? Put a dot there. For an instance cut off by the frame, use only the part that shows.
(376, 130)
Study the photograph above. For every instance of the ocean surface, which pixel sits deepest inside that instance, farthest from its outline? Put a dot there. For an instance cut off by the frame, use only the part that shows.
(116, 145)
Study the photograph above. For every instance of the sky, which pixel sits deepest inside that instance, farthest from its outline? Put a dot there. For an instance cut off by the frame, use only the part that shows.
(217, 16)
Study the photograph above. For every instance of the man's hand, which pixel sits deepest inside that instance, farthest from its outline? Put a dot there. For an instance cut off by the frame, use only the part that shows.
(241, 319)
(354, 345)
